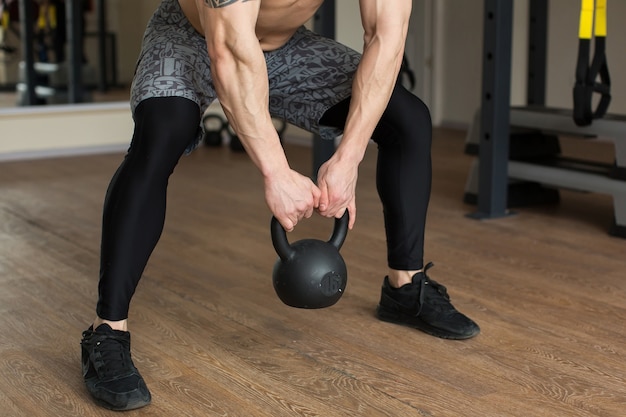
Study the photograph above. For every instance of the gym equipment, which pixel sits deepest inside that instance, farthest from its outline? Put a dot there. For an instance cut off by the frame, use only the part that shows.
(324, 23)
(533, 178)
(30, 90)
(5, 24)
(310, 273)
(235, 143)
(497, 171)
(586, 75)
(51, 82)
(213, 128)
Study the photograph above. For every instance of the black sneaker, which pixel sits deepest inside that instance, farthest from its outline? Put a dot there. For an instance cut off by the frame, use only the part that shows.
(109, 372)
(425, 305)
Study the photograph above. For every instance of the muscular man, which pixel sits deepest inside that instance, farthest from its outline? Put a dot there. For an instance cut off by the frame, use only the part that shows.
(257, 58)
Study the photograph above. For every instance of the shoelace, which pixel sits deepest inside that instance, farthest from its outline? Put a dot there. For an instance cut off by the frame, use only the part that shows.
(441, 289)
(114, 355)
(439, 298)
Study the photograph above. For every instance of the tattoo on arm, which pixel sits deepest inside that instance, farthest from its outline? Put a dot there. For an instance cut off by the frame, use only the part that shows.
(214, 4)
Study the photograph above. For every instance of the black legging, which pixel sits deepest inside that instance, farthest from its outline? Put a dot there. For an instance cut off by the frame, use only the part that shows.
(134, 207)
(403, 173)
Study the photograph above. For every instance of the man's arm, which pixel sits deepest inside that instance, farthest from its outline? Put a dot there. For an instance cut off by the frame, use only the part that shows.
(386, 24)
(240, 77)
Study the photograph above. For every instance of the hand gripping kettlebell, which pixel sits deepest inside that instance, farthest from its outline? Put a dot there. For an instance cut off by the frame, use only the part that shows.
(310, 273)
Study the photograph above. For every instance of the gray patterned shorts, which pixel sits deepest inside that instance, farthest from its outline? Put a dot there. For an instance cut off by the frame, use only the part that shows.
(307, 75)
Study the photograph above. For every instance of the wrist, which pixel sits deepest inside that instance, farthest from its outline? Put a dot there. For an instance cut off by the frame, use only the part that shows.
(274, 167)
(350, 151)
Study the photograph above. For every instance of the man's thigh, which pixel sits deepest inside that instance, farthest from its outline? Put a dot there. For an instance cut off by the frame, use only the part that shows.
(307, 76)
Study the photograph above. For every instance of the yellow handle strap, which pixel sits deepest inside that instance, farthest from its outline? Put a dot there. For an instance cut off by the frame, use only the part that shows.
(52, 16)
(600, 24)
(588, 9)
(47, 17)
(5, 19)
(41, 19)
(585, 29)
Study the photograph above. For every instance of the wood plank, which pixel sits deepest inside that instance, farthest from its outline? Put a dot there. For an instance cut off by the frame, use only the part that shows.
(211, 337)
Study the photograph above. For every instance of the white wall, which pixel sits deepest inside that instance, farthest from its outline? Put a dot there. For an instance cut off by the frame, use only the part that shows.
(43, 131)
(348, 28)
(458, 75)
(128, 18)
(444, 48)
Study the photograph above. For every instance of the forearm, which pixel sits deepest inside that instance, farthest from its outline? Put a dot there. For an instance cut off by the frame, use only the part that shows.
(371, 89)
(242, 90)
(240, 78)
(386, 25)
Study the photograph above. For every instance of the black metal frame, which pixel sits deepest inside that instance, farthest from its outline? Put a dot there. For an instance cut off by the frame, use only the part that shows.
(324, 24)
(75, 85)
(75, 34)
(493, 154)
(27, 37)
(102, 45)
(495, 103)
(537, 52)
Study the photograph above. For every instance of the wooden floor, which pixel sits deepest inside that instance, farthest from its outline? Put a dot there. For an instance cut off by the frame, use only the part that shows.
(547, 286)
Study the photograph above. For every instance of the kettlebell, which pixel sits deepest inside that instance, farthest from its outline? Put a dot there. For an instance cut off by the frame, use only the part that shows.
(213, 126)
(235, 143)
(310, 273)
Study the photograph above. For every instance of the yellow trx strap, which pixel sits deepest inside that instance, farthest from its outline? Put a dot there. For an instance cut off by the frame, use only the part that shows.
(6, 17)
(52, 16)
(47, 18)
(585, 28)
(592, 24)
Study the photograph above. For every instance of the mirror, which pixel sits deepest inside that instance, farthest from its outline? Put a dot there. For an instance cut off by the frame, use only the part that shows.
(111, 41)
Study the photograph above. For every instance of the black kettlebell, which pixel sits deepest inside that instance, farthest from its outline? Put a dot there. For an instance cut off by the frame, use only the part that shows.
(235, 143)
(310, 273)
(213, 126)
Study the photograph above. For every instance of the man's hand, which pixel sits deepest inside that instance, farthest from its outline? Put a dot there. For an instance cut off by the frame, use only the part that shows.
(337, 182)
(291, 197)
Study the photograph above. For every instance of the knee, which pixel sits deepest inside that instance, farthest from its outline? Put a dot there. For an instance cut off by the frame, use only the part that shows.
(406, 120)
(163, 130)
(152, 155)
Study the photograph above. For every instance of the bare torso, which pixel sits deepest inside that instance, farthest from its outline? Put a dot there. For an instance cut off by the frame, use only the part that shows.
(277, 21)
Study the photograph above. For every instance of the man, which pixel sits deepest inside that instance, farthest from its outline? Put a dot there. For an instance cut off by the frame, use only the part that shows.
(259, 61)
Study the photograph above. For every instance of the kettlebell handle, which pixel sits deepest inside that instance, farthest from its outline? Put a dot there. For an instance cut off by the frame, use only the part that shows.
(284, 249)
(340, 231)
